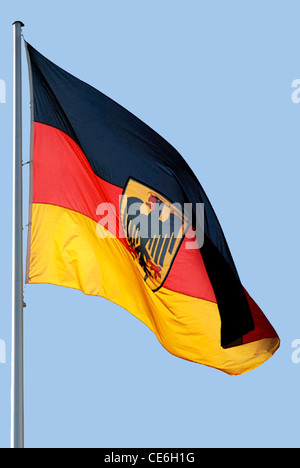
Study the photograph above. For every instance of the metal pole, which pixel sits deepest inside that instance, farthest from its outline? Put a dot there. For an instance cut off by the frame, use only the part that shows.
(17, 405)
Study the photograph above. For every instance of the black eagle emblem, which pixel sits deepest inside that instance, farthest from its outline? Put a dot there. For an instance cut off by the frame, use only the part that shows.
(154, 232)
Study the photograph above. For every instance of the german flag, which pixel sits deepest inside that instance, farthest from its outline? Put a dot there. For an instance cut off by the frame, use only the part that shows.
(99, 177)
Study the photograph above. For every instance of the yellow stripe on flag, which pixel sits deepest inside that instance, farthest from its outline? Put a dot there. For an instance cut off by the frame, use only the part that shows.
(69, 249)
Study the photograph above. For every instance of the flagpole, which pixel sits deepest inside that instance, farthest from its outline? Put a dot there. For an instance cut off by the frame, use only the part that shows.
(17, 400)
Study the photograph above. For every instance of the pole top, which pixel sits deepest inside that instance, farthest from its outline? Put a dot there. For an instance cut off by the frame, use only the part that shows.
(19, 22)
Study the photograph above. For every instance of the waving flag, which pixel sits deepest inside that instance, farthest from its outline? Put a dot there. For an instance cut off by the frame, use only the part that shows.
(107, 217)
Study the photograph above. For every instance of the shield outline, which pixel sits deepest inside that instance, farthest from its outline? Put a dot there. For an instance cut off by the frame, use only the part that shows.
(139, 187)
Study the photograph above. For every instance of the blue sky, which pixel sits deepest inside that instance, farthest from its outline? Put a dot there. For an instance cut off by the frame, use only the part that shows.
(215, 79)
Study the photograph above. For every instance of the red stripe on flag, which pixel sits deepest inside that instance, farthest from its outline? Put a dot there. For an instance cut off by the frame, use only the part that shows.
(263, 328)
(62, 176)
